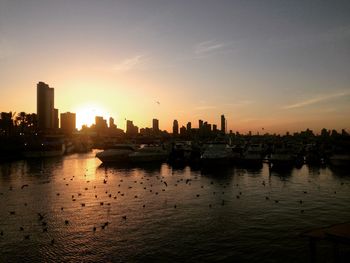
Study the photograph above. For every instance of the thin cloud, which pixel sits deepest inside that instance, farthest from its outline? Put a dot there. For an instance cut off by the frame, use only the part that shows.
(210, 47)
(316, 100)
(130, 63)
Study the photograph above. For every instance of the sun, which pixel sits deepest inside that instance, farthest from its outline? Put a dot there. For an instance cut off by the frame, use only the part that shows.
(85, 115)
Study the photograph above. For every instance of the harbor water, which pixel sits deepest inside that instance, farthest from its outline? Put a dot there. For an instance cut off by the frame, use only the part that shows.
(73, 209)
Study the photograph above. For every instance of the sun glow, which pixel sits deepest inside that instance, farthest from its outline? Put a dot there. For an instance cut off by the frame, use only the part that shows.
(85, 115)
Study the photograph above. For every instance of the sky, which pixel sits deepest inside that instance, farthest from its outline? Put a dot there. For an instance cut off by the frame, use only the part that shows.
(278, 65)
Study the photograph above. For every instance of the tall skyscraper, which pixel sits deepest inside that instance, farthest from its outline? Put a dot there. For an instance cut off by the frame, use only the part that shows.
(223, 124)
(68, 122)
(155, 125)
(45, 106)
(175, 127)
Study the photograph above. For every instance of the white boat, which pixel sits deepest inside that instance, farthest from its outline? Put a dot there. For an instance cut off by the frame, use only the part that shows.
(149, 153)
(116, 153)
(216, 153)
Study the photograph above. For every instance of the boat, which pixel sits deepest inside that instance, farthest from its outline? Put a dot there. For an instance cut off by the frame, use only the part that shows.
(181, 152)
(149, 153)
(237, 153)
(253, 155)
(83, 146)
(44, 147)
(116, 153)
(282, 156)
(313, 154)
(216, 153)
(340, 160)
(69, 147)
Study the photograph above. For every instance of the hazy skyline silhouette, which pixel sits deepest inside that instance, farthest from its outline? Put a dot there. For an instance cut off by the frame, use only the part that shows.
(280, 65)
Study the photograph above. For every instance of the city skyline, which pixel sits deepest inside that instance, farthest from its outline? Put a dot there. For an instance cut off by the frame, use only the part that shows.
(280, 66)
(49, 117)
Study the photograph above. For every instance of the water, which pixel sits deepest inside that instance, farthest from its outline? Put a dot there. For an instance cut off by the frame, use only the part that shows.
(229, 220)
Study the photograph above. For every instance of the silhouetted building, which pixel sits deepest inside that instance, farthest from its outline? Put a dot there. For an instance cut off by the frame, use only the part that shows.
(131, 129)
(200, 124)
(100, 124)
(45, 106)
(146, 131)
(111, 123)
(223, 124)
(205, 131)
(215, 128)
(55, 119)
(189, 126)
(68, 122)
(175, 127)
(155, 125)
(129, 126)
(183, 131)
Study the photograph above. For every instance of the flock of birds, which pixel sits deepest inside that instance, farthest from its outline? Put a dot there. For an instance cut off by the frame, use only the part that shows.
(116, 190)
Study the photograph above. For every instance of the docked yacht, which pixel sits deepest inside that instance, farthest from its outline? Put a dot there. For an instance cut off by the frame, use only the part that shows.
(313, 154)
(116, 153)
(215, 153)
(149, 153)
(282, 156)
(253, 155)
(237, 153)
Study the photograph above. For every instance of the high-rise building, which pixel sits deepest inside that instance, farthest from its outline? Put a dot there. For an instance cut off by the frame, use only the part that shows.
(101, 123)
(223, 124)
(45, 106)
(189, 126)
(200, 124)
(155, 125)
(183, 131)
(55, 119)
(215, 128)
(175, 127)
(111, 123)
(131, 129)
(68, 122)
